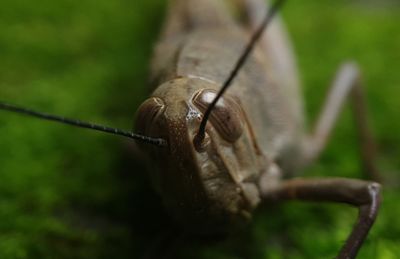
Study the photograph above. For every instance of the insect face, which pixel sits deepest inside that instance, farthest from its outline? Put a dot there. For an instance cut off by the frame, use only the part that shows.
(206, 188)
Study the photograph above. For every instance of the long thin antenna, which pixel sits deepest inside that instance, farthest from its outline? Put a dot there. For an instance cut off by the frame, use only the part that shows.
(242, 59)
(81, 124)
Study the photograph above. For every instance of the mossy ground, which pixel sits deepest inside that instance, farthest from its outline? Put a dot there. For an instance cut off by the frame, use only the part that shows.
(70, 193)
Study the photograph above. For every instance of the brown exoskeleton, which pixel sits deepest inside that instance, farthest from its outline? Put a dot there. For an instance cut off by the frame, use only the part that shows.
(255, 134)
(216, 159)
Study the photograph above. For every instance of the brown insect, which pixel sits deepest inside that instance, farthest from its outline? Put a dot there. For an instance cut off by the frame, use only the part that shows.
(216, 156)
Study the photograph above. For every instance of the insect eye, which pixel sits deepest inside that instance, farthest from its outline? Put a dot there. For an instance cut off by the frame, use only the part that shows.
(226, 116)
(147, 113)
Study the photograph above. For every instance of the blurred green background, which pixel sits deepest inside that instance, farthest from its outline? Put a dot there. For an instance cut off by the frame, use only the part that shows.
(71, 193)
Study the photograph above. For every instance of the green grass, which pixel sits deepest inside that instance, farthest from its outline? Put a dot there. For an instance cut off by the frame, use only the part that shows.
(70, 193)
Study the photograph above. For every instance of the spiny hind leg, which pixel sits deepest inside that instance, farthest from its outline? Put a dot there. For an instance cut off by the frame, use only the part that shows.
(347, 82)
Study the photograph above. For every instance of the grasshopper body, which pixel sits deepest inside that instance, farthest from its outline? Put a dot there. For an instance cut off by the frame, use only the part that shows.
(212, 176)
(213, 159)
(219, 185)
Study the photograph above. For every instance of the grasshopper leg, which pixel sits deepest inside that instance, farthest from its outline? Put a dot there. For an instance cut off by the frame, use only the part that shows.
(347, 82)
(362, 194)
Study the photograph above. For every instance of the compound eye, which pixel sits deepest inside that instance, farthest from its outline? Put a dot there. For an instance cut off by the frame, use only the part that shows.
(147, 114)
(226, 117)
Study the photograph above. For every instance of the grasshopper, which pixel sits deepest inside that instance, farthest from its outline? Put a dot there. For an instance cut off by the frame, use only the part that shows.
(217, 156)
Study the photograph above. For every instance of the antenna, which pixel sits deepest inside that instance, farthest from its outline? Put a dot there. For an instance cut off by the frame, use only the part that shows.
(81, 124)
(198, 139)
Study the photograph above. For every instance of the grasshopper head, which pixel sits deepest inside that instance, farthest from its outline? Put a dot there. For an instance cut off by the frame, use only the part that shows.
(207, 187)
